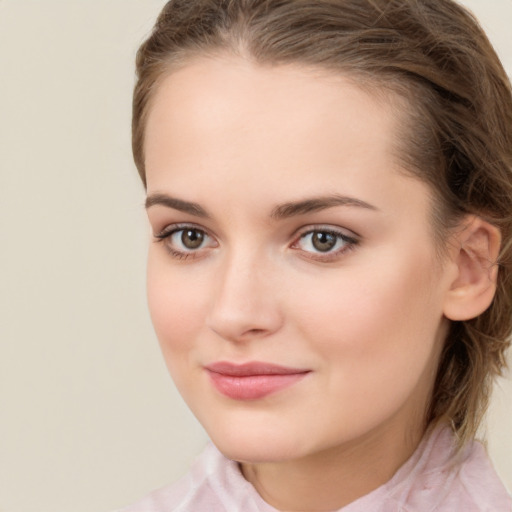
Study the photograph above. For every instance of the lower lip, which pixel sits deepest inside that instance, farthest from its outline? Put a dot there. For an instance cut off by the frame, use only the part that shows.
(252, 387)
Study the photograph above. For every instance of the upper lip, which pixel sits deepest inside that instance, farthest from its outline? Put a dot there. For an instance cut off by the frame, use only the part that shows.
(252, 368)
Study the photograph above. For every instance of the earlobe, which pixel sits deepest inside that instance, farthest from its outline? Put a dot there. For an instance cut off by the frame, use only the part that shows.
(474, 255)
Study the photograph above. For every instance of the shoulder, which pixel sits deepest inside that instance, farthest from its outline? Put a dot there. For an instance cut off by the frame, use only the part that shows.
(190, 490)
(477, 484)
(213, 484)
(444, 482)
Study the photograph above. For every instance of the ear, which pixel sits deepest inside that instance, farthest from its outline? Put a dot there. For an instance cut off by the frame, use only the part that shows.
(473, 257)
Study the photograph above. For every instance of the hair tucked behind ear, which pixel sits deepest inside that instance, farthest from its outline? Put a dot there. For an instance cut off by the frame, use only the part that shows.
(457, 129)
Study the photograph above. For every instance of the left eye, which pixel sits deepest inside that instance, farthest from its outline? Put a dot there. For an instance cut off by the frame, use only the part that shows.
(323, 241)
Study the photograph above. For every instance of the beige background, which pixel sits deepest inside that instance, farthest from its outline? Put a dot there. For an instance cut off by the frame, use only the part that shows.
(89, 418)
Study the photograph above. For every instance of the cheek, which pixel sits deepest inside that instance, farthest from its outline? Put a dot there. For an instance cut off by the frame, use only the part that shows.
(375, 327)
(174, 304)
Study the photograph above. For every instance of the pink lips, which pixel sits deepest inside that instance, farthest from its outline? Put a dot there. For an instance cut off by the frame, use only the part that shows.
(251, 381)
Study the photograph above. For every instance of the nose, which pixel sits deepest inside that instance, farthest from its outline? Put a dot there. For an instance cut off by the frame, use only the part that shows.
(245, 302)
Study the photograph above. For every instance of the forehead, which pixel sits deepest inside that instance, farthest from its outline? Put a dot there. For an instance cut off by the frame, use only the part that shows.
(226, 120)
(213, 98)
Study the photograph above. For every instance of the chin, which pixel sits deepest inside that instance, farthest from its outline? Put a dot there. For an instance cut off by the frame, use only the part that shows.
(254, 451)
(258, 443)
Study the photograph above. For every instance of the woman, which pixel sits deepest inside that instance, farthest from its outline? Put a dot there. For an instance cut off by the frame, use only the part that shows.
(329, 187)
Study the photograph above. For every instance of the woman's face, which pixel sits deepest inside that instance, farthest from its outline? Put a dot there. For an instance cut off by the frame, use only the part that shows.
(292, 278)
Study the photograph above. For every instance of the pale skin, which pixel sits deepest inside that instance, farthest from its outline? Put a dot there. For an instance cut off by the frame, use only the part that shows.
(233, 150)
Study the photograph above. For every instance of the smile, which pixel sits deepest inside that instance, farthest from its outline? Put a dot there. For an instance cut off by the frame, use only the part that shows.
(252, 381)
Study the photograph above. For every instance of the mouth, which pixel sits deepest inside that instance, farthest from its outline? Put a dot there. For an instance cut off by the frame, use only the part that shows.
(252, 381)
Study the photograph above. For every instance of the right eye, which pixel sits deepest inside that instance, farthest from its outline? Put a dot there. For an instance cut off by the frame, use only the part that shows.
(184, 241)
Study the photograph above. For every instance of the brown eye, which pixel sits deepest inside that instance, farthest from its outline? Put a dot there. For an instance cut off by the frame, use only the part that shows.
(323, 241)
(325, 244)
(186, 242)
(192, 238)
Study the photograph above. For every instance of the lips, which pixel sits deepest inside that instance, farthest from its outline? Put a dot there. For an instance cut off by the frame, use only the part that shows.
(252, 381)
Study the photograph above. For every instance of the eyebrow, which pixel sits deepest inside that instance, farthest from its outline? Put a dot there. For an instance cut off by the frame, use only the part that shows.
(177, 204)
(316, 204)
(282, 211)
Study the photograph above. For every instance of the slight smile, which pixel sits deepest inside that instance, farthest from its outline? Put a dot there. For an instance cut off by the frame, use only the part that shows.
(253, 380)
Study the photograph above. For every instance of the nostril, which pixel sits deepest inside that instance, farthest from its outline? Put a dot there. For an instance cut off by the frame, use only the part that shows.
(255, 331)
(238, 313)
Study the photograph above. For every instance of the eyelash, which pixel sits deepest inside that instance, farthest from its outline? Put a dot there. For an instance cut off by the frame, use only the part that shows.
(349, 242)
(169, 231)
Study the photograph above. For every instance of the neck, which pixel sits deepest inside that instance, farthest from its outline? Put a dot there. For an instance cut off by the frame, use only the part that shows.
(333, 478)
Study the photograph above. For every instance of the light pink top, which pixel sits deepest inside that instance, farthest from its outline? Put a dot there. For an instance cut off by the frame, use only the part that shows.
(428, 482)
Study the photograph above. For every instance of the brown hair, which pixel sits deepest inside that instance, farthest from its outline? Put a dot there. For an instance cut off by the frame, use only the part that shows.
(433, 54)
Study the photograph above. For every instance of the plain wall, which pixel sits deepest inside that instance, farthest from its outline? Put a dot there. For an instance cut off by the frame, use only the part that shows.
(90, 421)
